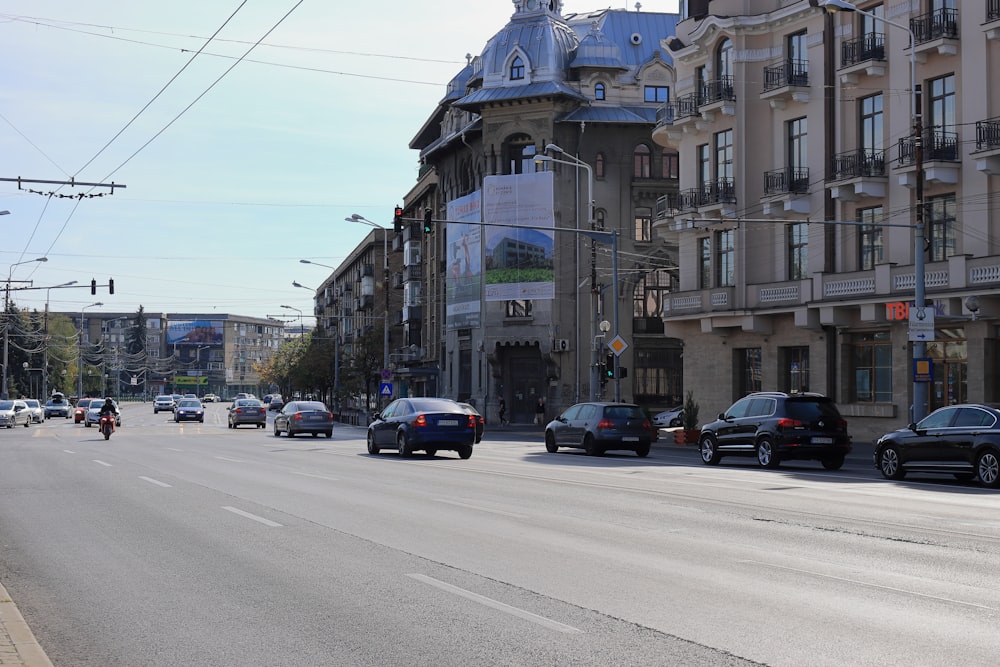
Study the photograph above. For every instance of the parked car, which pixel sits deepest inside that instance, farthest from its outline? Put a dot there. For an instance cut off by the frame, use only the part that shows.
(211, 398)
(80, 411)
(36, 410)
(93, 415)
(960, 440)
(430, 424)
(776, 426)
(58, 407)
(247, 411)
(480, 420)
(599, 427)
(163, 403)
(13, 413)
(189, 409)
(671, 418)
(303, 417)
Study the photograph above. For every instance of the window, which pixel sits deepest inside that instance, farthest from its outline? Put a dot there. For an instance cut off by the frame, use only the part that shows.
(724, 158)
(794, 368)
(519, 151)
(872, 366)
(670, 165)
(797, 59)
(599, 166)
(658, 94)
(870, 247)
(724, 60)
(748, 370)
(942, 144)
(871, 123)
(650, 293)
(517, 68)
(704, 166)
(643, 224)
(599, 216)
(725, 256)
(940, 220)
(798, 251)
(519, 308)
(704, 263)
(599, 91)
(658, 378)
(798, 159)
(641, 161)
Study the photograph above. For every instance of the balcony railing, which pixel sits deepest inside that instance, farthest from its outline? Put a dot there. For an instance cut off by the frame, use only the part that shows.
(786, 73)
(861, 163)
(992, 10)
(788, 180)
(688, 199)
(666, 204)
(938, 146)
(719, 90)
(939, 23)
(988, 131)
(719, 191)
(863, 49)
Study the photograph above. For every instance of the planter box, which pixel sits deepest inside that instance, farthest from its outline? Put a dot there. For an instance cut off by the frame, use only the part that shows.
(687, 437)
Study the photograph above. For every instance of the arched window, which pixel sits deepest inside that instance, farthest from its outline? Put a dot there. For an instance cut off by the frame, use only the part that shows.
(599, 166)
(641, 161)
(517, 68)
(724, 59)
(599, 91)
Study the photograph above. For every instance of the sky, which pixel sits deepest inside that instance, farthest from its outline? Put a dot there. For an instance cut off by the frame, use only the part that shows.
(243, 132)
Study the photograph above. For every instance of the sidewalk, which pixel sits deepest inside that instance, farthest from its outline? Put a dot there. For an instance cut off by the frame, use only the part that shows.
(17, 644)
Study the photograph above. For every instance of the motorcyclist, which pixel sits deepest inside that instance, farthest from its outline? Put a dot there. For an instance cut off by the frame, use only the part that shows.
(109, 408)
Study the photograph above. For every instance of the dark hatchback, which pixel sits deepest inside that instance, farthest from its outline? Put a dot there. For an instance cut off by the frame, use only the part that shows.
(304, 417)
(776, 426)
(960, 440)
(600, 427)
(428, 424)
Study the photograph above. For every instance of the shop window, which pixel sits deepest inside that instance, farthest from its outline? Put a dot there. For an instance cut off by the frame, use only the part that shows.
(871, 368)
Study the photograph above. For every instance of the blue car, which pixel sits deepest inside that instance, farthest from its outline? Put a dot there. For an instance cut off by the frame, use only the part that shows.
(429, 424)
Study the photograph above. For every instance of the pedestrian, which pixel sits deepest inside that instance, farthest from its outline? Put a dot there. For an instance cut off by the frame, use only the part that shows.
(540, 412)
(502, 410)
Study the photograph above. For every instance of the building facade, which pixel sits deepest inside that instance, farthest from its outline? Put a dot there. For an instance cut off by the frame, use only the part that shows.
(808, 217)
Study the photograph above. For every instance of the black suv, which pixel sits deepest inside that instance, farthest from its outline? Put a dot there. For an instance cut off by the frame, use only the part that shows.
(775, 427)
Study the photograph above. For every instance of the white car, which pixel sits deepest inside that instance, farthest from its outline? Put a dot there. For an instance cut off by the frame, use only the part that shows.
(36, 409)
(669, 418)
(93, 415)
(13, 413)
(164, 403)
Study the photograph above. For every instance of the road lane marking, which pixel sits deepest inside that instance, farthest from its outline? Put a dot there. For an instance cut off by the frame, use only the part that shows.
(266, 522)
(175, 449)
(865, 584)
(309, 474)
(69, 451)
(481, 509)
(103, 463)
(495, 604)
(155, 481)
(223, 458)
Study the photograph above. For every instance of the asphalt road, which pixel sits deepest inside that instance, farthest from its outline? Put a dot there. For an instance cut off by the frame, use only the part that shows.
(193, 544)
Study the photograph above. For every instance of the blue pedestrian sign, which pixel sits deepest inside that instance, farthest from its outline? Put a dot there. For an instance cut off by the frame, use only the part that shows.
(385, 389)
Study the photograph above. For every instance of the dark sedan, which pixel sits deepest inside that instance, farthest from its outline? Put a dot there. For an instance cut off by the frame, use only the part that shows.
(960, 440)
(247, 411)
(600, 427)
(304, 417)
(189, 409)
(480, 420)
(428, 424)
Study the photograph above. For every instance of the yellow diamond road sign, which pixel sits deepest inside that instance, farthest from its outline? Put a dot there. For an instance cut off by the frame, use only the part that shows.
(618, 345)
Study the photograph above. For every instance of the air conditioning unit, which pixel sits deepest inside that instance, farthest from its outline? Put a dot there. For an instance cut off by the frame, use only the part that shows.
(560, 345)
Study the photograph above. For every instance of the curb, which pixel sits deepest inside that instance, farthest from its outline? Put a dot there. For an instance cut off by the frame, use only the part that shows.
(18, 645)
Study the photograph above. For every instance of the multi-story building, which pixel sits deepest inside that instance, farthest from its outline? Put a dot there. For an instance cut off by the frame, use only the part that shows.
(539, 140)
(800, 238)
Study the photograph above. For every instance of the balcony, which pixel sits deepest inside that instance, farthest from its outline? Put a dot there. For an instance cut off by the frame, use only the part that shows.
(987, 153)
(857, 174)
(786, 191)
(666, 206)
(940, 157)
(717, 95)
(785, 81)
(992, 25)
(936, 31)
(866, 54)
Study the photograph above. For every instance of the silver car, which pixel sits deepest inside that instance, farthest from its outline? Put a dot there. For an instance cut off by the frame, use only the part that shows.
(13, 413)
(36, 409)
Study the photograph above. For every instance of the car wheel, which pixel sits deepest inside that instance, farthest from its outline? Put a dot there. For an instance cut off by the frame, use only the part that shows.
(465, 451)
(590, 447)
(277, 431)
(550, 442)
(642, 451)
(403, 445)
(709, 452)
(765, 454)
(430, 452)
(289, 432)
(675, 422)
(988, 468)
(888, 464)
(315, 434)
(833, 462)
(372, 447)
(329, 434)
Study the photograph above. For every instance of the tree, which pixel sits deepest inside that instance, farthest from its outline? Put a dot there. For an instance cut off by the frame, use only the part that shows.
(135, 337)
(361, 375)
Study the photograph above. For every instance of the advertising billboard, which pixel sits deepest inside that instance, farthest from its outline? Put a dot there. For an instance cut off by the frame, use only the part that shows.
(464, 275)
(194, 332)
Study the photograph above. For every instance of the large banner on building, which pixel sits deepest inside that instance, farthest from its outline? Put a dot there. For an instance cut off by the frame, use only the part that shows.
(463, 264)
(519, 258)
(194, 332)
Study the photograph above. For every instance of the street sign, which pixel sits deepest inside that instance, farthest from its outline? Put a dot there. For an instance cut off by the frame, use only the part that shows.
(385, 389)
(921, 324)
(387, 374)
(618, 345)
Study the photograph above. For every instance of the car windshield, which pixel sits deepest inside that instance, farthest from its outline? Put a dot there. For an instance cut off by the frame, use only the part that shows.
(6, 405)
(189, 403)
(33, 403)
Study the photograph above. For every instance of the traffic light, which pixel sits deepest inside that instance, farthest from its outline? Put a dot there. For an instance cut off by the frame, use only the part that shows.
(428, 221)
(111, 285)
(93, 286)
(397, 219)
(609, 367)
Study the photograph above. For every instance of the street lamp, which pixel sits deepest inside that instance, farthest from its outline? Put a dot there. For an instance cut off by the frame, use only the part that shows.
(309, 261)
(301, 286)
(385, 285)
(300, 317)
(79, 349)
(6, 314)
(919, 346)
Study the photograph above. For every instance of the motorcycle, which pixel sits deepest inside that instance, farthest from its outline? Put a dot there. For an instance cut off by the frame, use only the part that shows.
(107, 425)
